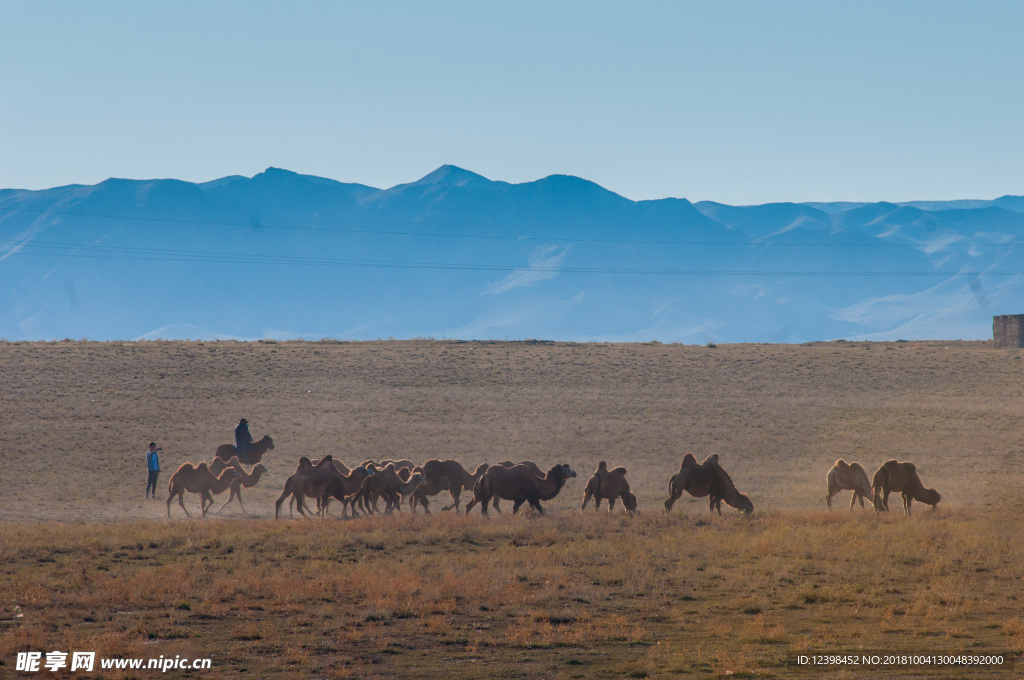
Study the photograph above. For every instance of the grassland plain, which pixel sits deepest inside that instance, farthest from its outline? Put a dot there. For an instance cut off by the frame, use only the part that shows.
(88, 564)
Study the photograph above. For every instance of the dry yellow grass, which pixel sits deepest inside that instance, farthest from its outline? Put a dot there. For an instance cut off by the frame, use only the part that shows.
(90, 564)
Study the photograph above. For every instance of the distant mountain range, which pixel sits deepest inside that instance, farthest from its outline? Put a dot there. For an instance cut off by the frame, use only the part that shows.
(455, 255)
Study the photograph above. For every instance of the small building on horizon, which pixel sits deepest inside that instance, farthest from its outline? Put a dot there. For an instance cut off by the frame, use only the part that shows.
(1008, 331)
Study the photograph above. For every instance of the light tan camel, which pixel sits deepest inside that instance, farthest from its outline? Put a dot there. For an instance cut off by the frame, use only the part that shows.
(520, 485)
(256, 453)
(247, 480)
(706, 479)
(444, 475)
(197, 479)
(848, 477)
(609, 485)
(902, 477)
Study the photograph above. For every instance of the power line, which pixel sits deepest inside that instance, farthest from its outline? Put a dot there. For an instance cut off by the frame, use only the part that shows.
(33, 248)
(499, 237)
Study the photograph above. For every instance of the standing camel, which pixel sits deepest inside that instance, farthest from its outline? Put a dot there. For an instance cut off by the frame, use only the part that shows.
(609, 485)
(848, 477)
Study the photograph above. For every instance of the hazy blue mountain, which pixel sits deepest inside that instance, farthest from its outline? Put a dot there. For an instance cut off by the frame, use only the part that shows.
(454, 254)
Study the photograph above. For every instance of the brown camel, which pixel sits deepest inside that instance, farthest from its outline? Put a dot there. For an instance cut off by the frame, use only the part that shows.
(609, 485)
(246, 479)
(707, 479)
(534, 468)
(387, 484)
(520, 485)
(308, 481)
(848, 477)
(256, 453)
(444, 475)
(917, 491)
(896, 476)
(343, 488)
(197, 479)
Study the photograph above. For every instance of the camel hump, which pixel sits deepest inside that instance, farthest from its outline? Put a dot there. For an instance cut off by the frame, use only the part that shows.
(602, 466)
(202, 467)
(909, 467)
(840, 463)
(619, 471)
(305, 462)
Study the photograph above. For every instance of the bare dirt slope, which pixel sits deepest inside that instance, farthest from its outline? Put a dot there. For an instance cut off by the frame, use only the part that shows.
(75, 417)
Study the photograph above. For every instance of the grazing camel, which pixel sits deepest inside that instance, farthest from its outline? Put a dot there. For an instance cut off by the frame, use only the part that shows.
(609, 485)
(197, 479)
(444, 475)
(256, 453)
(707, 479)
(896, 476)
(520, 485)
(917, 491)
(848, 477)
(246, 479)
(310, 481)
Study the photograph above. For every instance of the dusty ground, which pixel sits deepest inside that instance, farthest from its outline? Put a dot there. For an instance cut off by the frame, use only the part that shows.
(680, 595)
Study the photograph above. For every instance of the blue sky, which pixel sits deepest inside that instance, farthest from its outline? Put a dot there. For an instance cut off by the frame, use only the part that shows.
(738, 102)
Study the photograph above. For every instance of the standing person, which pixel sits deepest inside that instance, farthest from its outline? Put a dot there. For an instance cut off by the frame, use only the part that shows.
(243, 440)
(153, 465)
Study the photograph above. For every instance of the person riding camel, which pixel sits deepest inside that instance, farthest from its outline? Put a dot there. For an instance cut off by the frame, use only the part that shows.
(243, 440)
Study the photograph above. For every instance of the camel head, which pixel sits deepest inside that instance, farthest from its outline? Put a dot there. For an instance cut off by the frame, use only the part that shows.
(930, 497)
(564, 472)
(260, 468)
(744, 503)
(270, 442)
(630, 502)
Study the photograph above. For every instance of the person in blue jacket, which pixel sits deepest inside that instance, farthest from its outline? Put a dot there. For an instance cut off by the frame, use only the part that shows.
(153, 465)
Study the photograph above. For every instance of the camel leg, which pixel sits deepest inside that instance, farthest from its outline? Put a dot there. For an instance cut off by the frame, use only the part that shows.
(828, 499)
(454, 493)
(853, 499)
(238, 495)
(907, 501)
(611, 504)
(494, 504)
(516, 505)
(535, 502)
(586, 499)
(231, 497)
(181, 502)
(277, 506)
(469, 505)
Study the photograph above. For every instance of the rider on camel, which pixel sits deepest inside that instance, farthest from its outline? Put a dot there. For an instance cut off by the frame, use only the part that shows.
(243, 440)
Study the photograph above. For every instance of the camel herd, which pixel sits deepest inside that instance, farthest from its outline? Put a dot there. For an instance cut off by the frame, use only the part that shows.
(891, 476)
(360, 489)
